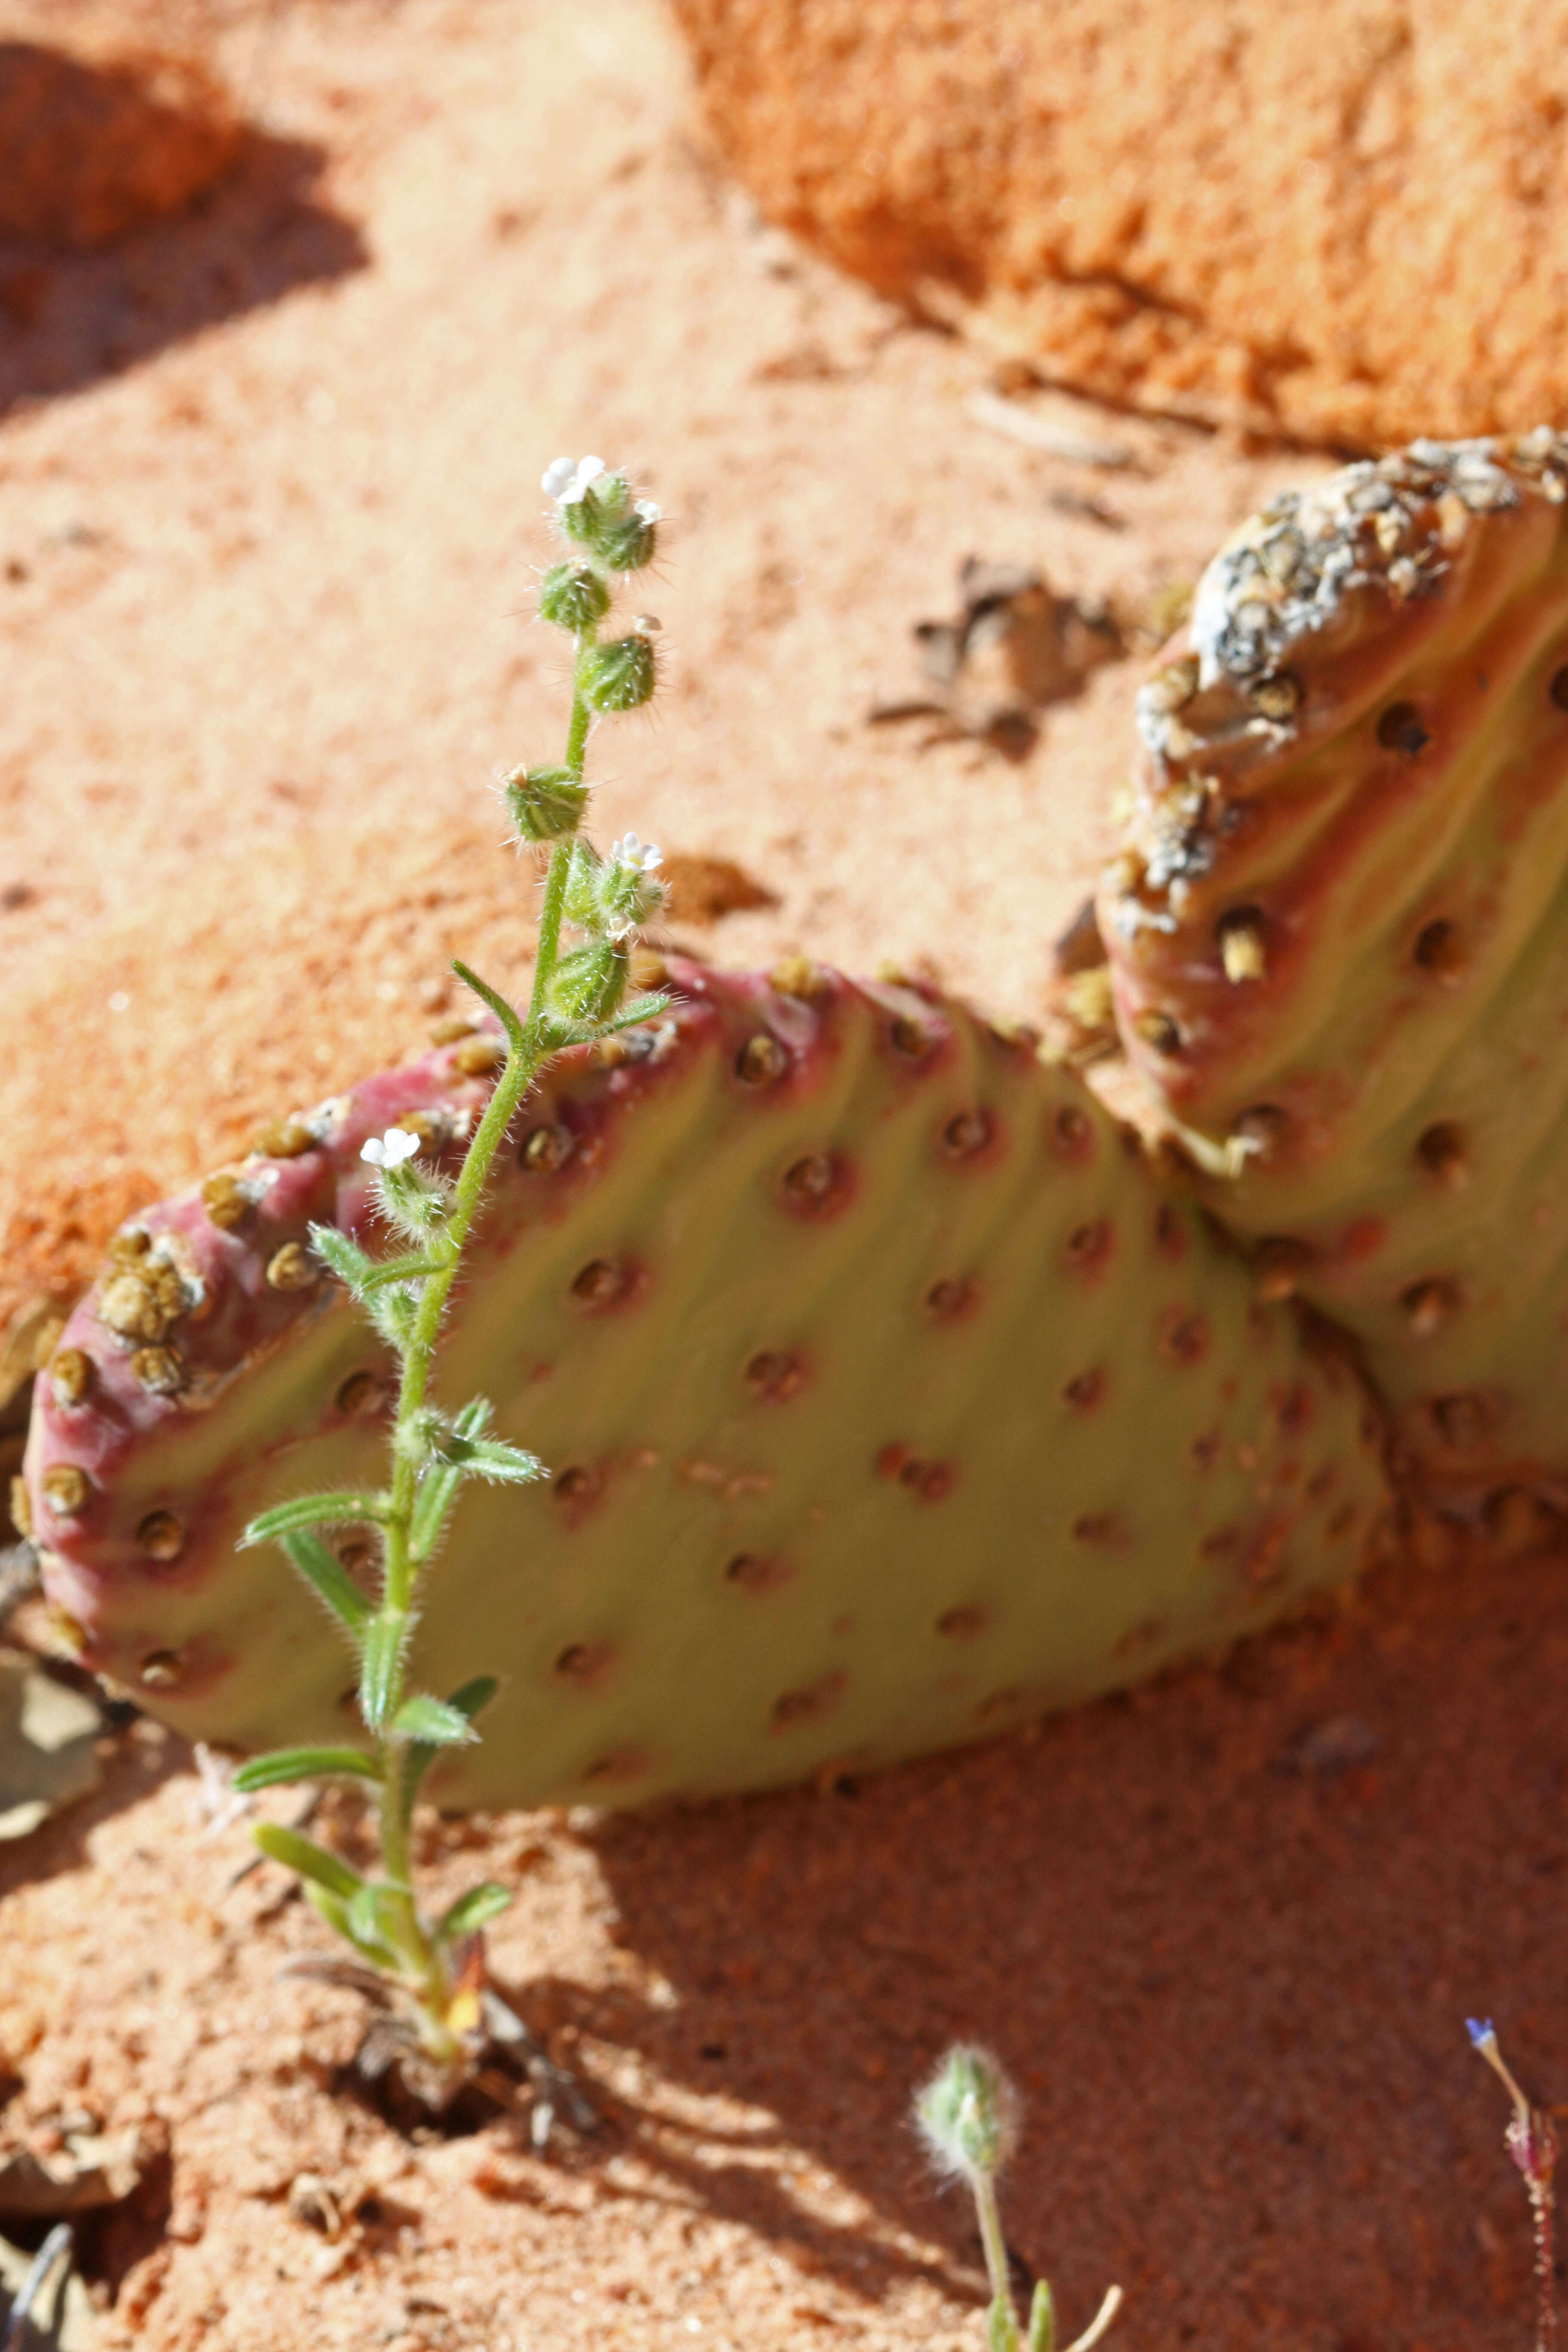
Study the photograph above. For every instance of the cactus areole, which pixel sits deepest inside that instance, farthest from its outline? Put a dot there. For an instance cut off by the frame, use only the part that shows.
(888, 1396)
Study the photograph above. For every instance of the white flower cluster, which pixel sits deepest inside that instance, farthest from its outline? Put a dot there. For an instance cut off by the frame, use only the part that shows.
(568, 479)
(640, 857)
(391, 1150)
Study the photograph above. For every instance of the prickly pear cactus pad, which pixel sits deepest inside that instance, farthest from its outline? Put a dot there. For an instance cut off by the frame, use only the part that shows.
(888, 1396)
(1339, 929)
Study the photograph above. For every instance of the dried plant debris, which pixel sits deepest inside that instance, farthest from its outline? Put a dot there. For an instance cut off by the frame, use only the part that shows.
(44, 2306)
(1015, 647)
(49, 1749)
(73, 2167)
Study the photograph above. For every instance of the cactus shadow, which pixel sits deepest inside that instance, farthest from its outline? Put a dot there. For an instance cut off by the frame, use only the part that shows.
(133, 1770)
(68, 319)
(1223, 1933)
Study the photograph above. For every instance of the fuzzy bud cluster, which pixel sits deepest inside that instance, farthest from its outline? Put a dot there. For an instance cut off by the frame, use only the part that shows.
(967, 2115)
(545, 803)
(595, 510)
(609, 536)
(609, 898)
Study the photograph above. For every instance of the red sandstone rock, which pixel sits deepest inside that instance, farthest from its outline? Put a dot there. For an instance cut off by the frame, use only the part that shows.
(1344, 222)
(92, 150)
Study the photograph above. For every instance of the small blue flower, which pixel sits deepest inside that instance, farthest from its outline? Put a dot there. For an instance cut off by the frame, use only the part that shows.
(1481, 2031)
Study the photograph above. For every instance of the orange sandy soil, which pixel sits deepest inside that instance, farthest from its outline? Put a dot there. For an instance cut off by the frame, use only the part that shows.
(269, 518)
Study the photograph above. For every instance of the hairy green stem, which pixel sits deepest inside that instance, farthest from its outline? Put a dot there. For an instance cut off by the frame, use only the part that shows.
(528, 1047)
(993, 2242)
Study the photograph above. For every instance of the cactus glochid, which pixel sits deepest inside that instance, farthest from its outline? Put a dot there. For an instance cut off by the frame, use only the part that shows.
(1338, 930)
(890, 1389)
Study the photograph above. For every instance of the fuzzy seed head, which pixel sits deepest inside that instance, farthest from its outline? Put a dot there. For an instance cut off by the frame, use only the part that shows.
(545, 803)
(573, 597)
(968, 2115)
(589, 984)
(619, 676)
(629, 543)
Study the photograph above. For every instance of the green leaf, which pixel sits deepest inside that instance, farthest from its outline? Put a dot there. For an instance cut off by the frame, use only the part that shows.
(314, 1511)
(330, 1581)
(437, 1488)
(342, 1256)
(507, 1015)
(333, 1911)
(381, 1957)
(471, 1700)
(1042, 2320)
(286, 1764)
(398, 1269)
(492, 1458)
(432, 1502)
(433, 1723)
(381, 1667)
(641, 1008)
(376, 1915)
(303, 1854)
(472, 1910)
(1000, 2327)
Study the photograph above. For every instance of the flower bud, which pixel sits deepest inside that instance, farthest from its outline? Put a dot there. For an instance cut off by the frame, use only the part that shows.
(545, 802)
(967, 2115)
(627, 892)
(588, 985)
(574, 596)
(629, 543)
(592, 508)
(581, 903)
(618, 675)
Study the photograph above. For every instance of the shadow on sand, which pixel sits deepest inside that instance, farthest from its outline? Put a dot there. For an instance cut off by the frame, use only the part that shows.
(69, 318)
(1225, 1932)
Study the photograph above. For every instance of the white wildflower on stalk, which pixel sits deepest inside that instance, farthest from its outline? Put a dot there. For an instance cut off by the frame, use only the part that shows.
(391, 1150)
(431, 1966)
(568, 479)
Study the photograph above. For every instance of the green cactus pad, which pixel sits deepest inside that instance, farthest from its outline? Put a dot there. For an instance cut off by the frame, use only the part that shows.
(889, 1396)
(1338, 932)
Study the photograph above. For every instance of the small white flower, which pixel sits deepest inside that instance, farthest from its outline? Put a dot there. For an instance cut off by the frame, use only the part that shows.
(389, 1150)
(642, 856)
(648, 510)
(567, 480)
